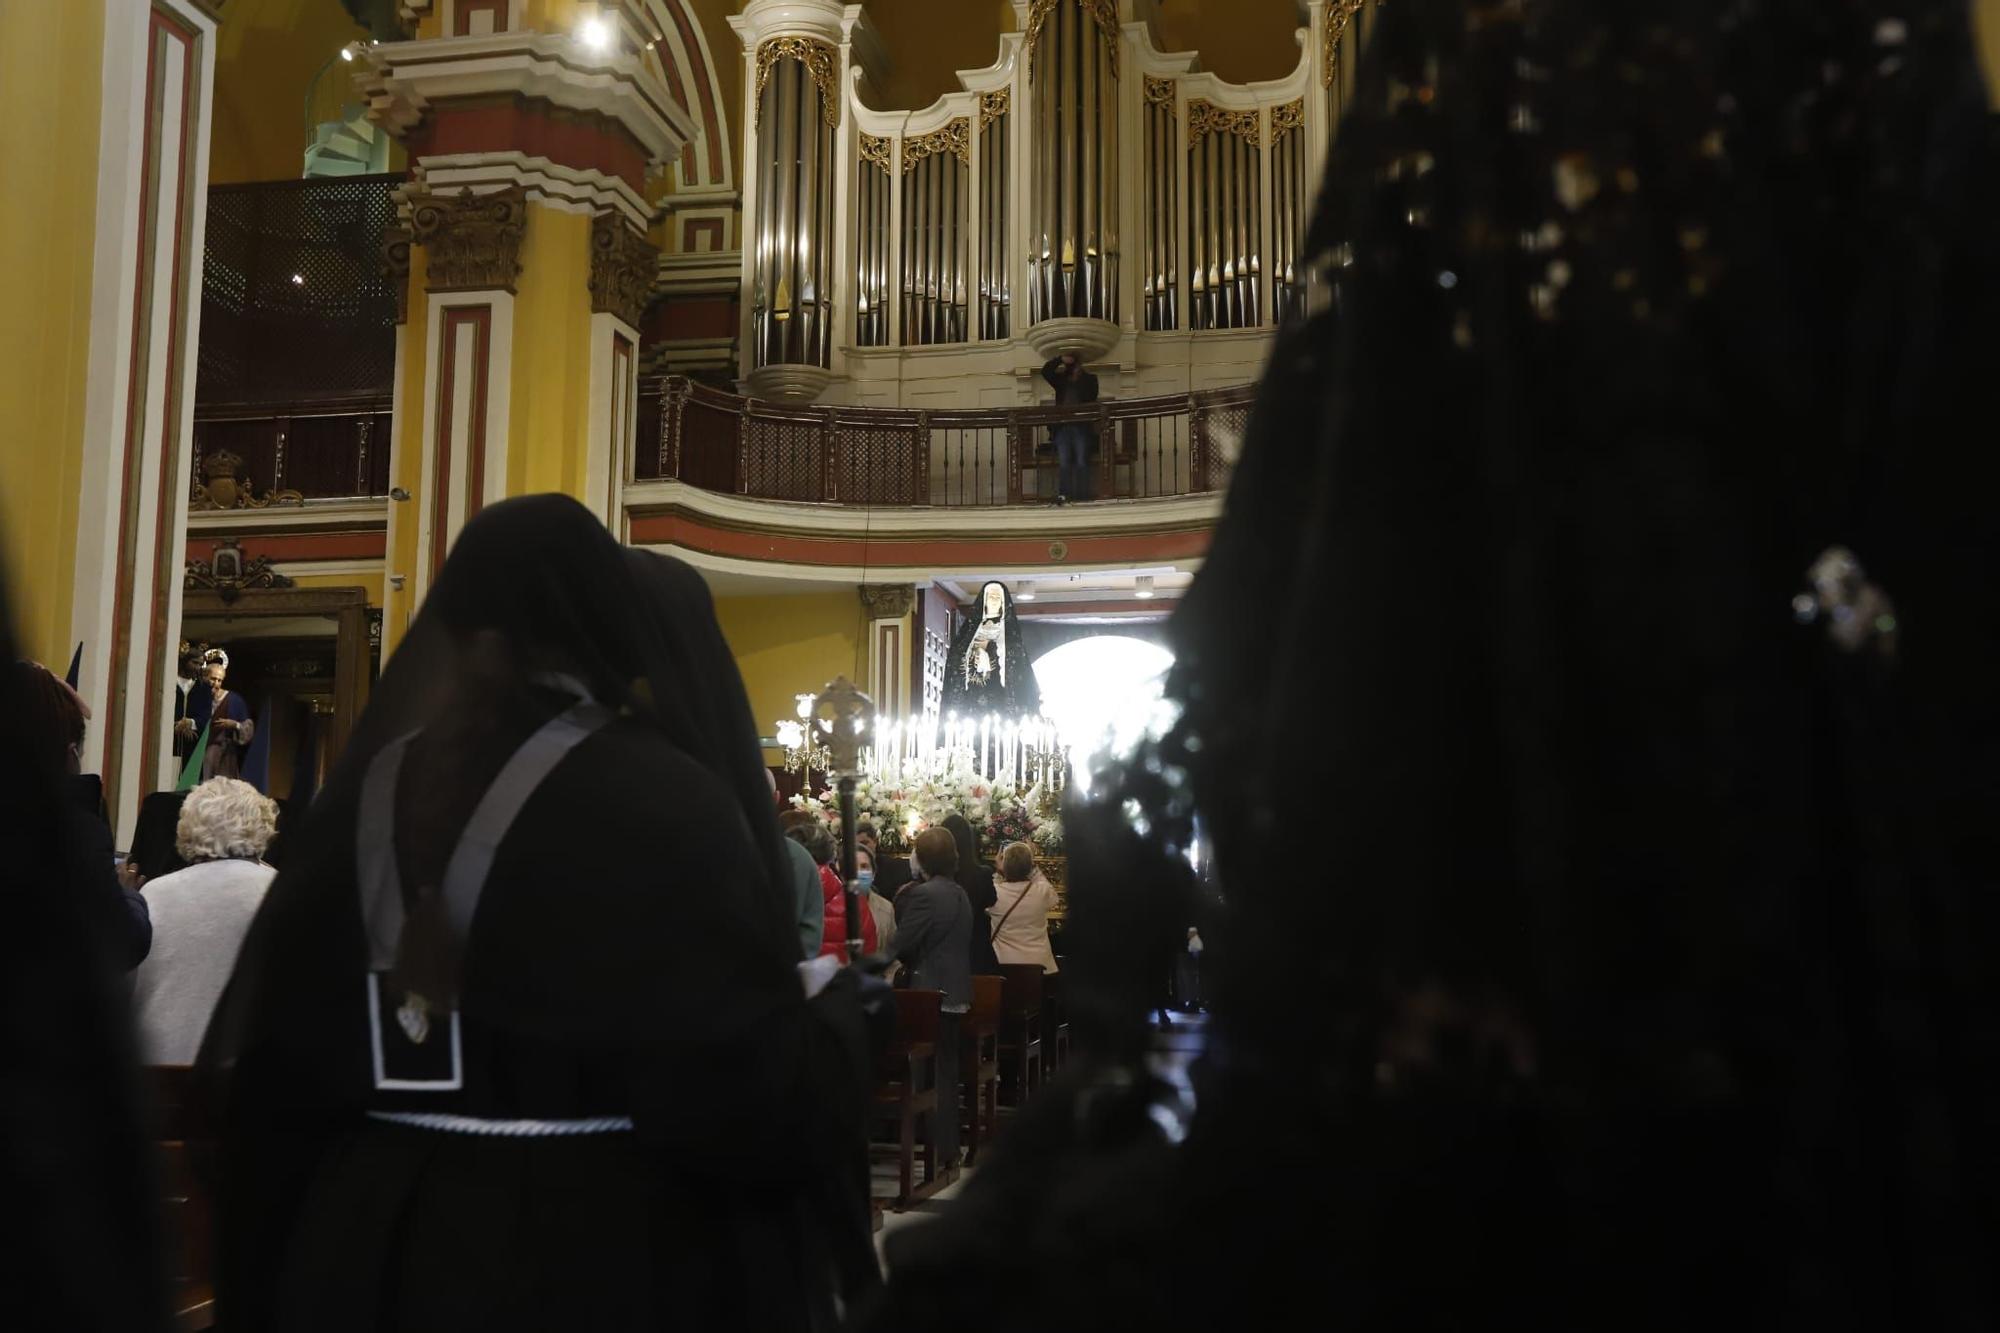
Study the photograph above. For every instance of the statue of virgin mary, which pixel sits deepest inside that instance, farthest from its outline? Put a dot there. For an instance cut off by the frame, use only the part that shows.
(987, 669)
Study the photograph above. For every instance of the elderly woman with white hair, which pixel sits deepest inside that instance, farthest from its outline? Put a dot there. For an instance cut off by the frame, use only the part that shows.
(201, 914)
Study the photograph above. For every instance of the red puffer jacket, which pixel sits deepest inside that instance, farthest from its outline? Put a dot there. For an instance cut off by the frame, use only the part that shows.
(833, 936)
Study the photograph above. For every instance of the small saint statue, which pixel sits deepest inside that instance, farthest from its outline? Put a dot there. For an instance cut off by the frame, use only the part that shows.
(987, 669)
(225, 716)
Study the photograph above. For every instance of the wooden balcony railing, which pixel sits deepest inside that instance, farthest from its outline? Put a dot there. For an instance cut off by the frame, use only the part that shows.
(1147, 447)
(320, 451)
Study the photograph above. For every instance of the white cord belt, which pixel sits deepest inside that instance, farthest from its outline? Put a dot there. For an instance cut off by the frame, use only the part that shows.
(444, 1123)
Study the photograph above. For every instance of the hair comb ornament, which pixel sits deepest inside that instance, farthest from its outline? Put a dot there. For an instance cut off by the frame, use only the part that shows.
(1857, 614)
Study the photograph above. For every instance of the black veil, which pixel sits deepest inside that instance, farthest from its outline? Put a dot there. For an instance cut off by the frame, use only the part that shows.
(1010, 691)
(535, 602)
(1615, 946)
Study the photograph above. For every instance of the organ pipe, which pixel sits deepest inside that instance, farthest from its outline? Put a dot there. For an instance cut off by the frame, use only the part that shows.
(993, 284)
(1226, 220)
(936, 171)
(1073, 82)
(791, 320)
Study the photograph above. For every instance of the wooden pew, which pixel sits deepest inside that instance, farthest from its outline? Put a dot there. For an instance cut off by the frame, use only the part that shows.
(906, 1091)
(979, 1063)
(1020, 1031)
(1055, 1024)
(187, 1215)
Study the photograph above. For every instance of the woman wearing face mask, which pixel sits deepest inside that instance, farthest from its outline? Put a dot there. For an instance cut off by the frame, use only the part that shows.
(879, 910)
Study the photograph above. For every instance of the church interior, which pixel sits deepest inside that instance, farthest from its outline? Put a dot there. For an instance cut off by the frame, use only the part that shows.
(927, 333)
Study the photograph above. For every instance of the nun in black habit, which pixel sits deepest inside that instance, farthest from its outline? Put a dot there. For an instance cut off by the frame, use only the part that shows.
(1643, 973)
(475, 1071)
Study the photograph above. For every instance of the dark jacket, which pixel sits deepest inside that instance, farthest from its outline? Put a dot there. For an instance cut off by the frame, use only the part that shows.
(891, 874)
(980, 895)
(934, 938)
(1070, 392)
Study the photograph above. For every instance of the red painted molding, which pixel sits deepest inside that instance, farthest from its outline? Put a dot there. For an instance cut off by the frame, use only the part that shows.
(945, 552)
(511, 124)
(299, 547)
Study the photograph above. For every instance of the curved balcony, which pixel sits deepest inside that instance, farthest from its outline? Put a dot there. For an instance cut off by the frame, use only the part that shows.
(1148, 448)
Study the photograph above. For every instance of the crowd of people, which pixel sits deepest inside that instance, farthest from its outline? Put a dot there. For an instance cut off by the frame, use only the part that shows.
(1622, 953)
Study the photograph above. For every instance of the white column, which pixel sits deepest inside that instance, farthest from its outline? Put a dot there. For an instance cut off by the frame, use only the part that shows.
(152, 198)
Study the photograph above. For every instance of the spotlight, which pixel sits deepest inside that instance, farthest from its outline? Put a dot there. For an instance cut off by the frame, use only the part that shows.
(298, 279)
(1142, 587)
(1025, 593)
(347, 53)
(595, 33)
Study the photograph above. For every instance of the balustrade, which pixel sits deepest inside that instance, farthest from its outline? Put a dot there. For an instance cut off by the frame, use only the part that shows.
(1176, 444)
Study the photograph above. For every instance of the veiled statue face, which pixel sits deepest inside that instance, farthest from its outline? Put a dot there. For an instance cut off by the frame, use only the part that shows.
(996, 601)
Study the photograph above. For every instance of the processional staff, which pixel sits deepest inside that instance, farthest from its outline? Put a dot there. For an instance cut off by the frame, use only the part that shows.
(850, 715)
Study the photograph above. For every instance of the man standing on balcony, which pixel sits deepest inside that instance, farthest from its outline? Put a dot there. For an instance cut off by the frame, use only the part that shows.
(1074, 440)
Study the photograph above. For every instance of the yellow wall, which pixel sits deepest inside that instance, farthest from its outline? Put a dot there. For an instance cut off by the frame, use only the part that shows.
(51, 76)
(267, 52)
(548, 423)
(786, 646)
(372, 583)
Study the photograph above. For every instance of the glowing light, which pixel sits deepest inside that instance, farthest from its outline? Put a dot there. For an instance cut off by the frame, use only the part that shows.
(347, 53)
(298, 279)
(595, 34)
(1106, 692)
(1142, 586)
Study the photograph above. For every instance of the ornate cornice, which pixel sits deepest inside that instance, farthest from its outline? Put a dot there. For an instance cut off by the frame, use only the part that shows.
(993, 105)
(875, 151)
(955, 138)
(396, 242)
(472, 242)
(1205, 117)
(1160, 92)
(888, 601)
(1338, 16)
(820, 60)
(403, 82)
(1103, 11)
(1288, 117)
(623, 265)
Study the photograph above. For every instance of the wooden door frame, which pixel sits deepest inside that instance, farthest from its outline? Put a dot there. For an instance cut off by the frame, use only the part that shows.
(348, 607)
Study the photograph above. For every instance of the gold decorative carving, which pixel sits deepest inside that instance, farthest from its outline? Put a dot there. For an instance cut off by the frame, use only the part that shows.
(1205, 117)
(1103, 11)
(820, 60)
(1337, 18)
(396, 242)
(875, 151)
(472, 242)
(955, 138)
(227, 572)
(1160, 92)
(993, 105)
(224, 485)
(623, 266)
(888, 601)
(1284, 119)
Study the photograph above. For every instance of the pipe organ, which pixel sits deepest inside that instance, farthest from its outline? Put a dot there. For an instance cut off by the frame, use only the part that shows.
(791, 287)
(936, 177)
(875, 229)
(996, 289)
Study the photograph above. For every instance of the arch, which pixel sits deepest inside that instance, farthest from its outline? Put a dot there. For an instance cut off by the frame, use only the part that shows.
(689, 69)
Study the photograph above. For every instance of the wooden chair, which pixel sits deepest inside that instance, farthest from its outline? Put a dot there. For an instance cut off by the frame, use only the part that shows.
(188, 1216)
(979, 1063)
(1020, 1031)
(1055, 1024)
(906, 1090)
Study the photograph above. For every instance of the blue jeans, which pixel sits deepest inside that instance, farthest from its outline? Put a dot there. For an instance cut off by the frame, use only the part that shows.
(1073, 462)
